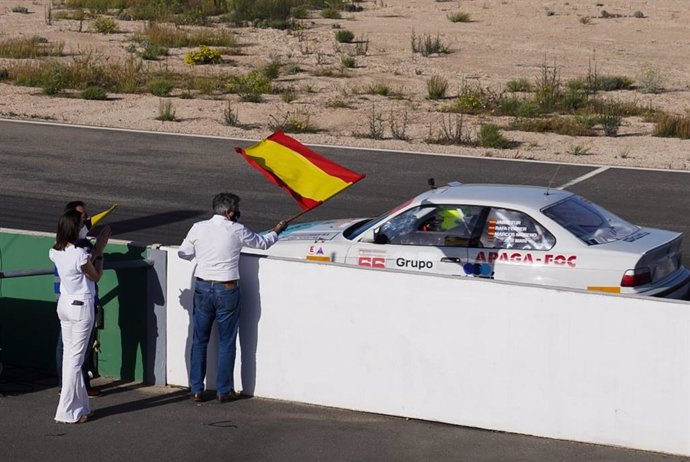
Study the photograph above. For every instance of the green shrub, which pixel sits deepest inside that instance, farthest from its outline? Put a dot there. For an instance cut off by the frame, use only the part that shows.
(398, 125)
(452, 131)
(490, 137)
(650, 79)
(436, 87)
(672, 126)
(297, 120)
(578, 150)
(547, 92)
(380, 89)
(166, 113)
(293, 69)
(375, 125)
(20, 9)
(339, 103)
(94, 93)
(348, 61)
(204, 55)
(299, 12)
(610, 119)
(518, 85)
(288, 94)
(570, 101)
(428, 46)
(459, 16)
(344, 36)
(613, 82)
(4, 73)
(472, 100)
(153, 51)
(331, 13)
(55, 78)
(267, 12)
(160, 87)
(230, 116)
(250, 86)
(272, 70)
(105, 25)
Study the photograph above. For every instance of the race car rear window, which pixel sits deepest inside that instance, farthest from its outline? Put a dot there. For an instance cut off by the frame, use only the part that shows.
(589, 222)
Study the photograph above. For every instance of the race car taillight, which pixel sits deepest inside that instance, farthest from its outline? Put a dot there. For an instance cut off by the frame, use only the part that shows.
(636, 277)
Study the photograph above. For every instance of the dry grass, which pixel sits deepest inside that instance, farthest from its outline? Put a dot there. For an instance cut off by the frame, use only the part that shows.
(30, 48)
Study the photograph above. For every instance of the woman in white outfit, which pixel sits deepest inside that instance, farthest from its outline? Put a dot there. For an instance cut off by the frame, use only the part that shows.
(78, 275)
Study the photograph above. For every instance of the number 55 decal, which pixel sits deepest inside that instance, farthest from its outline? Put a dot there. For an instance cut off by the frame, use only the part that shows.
(372, 262)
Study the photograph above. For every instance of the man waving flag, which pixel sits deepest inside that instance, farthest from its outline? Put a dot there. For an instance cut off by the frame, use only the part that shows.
(308, 177)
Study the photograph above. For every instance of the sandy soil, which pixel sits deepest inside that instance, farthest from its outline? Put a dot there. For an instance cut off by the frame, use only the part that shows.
(505, 40)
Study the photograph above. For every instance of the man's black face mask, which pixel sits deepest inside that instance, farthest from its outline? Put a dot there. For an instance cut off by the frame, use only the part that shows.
(235, 215)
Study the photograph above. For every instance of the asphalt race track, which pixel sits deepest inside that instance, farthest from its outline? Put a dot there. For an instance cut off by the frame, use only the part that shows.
(163, 183)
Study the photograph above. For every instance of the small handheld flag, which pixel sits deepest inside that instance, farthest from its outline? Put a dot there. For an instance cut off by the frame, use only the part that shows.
(308, 177)
(101, 215)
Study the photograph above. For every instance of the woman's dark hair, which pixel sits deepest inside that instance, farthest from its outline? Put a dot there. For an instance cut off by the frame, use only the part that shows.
(67, 229)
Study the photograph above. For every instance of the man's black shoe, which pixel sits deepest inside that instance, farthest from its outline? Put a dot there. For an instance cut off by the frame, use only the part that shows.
(229, 397)
(197, 397)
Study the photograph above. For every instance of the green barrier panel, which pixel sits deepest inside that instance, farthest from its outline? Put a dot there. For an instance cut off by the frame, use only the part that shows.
(28, 319)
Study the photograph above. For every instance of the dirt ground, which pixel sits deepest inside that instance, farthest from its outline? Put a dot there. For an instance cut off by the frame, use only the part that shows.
(505, 40)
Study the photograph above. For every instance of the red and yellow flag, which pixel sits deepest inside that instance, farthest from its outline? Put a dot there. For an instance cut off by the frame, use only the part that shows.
(307, 176)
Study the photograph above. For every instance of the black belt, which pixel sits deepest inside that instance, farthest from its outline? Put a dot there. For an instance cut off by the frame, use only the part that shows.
(227, 284)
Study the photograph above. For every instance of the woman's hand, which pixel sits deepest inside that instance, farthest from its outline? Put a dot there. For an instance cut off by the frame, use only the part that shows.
(102, 240)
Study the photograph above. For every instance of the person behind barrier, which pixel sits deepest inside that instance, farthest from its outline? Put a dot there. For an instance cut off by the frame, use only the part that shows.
(216, 244)
(83, 242)
(78, 275)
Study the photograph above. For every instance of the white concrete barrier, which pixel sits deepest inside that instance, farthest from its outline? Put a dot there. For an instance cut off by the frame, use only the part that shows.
(561, 364)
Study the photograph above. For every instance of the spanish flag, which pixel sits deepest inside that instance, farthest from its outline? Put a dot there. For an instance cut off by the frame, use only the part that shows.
(308, 177)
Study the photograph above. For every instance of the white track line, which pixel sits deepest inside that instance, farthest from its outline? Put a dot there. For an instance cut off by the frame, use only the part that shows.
(584, 177)
(335, 146)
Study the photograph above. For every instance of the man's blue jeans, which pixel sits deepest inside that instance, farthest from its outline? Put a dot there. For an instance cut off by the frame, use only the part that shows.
(214, 302)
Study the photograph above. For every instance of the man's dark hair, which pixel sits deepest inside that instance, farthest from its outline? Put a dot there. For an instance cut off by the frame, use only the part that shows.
(224, 202)
(73, 205)
(67, 229)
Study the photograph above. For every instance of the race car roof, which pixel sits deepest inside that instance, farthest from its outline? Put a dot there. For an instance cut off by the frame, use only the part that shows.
(508, 196)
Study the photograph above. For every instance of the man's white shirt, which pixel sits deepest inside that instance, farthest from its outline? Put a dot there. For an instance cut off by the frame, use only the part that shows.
(216, 244)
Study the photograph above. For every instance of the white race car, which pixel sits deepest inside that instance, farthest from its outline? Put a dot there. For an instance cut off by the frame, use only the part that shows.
(509, 233)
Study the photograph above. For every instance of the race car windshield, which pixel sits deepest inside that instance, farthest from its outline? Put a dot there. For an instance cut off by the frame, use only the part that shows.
(353, 231)
(589, 222)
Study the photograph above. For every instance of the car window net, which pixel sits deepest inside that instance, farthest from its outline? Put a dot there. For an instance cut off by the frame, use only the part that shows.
(588, 222)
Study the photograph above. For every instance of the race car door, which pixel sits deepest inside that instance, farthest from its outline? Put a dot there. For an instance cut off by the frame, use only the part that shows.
(429, 238)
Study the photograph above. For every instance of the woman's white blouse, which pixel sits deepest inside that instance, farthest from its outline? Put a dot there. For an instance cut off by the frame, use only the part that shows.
(69, 264)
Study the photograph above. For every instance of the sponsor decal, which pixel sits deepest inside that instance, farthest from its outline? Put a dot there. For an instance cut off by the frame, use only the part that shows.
(315, 250)
(478, 269)
(611, 290)
(372, 262)
(316, 253)
(416, 264)
(492, 229)
(519, 257)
